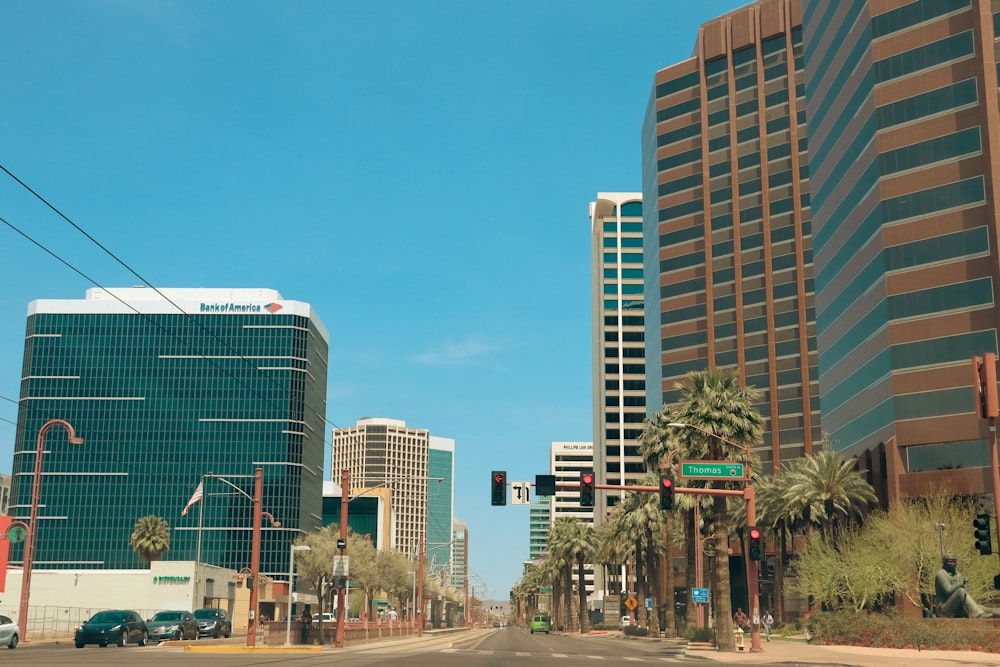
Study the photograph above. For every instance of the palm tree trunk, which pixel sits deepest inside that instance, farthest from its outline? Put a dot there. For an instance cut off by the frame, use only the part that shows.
(723, 601)
(556, 592)
(568, 596)
(779, 574)
(581, 582)
(667, 576)
(651, 569)
(690, 569)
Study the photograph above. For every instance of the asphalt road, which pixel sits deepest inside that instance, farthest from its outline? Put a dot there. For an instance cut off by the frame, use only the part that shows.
(507, 647)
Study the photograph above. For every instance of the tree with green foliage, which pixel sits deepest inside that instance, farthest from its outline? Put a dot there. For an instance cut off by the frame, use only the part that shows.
(150, 538)
(727, 426)
(894, 555)
(827, 490)
(610, 553)
(574, 541)
(639, 522)
(314, 567)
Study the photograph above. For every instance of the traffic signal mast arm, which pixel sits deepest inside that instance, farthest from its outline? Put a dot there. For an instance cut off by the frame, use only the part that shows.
(575, 486)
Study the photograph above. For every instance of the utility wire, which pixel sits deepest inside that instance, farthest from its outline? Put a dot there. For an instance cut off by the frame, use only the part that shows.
(159, 326)
(128, 268)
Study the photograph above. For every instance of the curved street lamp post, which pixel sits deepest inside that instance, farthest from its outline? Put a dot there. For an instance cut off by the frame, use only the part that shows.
(29, 540)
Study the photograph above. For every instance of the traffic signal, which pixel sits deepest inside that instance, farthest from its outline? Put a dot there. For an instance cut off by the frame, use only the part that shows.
(666, 493)
(499, 481)
(587, 488)
(987, 402)
(755, 545)
(982, 534)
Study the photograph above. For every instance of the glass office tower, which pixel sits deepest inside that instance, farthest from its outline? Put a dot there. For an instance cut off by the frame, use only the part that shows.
(440, 548)
(727, 222)
(904, 135)
(166, 386)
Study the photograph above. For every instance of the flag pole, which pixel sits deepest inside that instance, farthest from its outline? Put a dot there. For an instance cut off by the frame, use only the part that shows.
(198, 603)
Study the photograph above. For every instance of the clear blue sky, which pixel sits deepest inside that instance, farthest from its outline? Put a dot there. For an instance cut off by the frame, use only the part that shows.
(419, 171)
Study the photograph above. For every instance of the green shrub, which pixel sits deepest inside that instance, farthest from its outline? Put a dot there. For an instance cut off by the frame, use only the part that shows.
(699, 635)
(889, 630)
(634, 631)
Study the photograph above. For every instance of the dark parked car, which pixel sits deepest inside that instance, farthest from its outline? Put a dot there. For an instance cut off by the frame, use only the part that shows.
(172, 625)
(213, 622)
(118, 626)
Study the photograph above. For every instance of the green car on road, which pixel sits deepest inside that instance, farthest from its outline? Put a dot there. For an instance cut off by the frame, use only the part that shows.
(540, 624)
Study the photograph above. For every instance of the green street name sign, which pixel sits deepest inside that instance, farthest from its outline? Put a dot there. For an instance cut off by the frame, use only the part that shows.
(712, 470)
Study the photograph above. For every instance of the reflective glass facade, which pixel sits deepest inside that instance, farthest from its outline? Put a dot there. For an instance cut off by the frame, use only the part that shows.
(440, 502)
(728, 222)
(903, 116)
(236, 381)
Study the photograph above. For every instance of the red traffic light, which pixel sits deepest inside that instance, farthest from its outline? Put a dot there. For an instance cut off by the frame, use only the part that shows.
(667, 482)
(755, 533)
(498, 478)
(588, 479)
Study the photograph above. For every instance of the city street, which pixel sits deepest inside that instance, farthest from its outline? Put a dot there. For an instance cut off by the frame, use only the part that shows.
(508, 646)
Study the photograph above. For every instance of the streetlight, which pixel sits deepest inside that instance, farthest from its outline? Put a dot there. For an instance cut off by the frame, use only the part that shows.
(29, 540)
(291, 587)
(749, 494)
(258, 514)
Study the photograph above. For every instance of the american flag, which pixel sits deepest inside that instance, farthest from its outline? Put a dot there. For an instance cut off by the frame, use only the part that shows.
(194, 498)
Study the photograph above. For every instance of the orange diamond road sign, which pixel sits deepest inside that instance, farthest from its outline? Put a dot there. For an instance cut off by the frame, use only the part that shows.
(631, 603)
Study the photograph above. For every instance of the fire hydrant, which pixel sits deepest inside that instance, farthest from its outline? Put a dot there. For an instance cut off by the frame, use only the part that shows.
(738, 632)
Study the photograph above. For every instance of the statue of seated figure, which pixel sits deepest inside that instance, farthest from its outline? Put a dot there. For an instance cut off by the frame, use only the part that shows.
(951, 597)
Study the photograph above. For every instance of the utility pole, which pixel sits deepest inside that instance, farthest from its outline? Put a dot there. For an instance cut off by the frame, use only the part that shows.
(258, 491)
(345, 491)
(420, 589)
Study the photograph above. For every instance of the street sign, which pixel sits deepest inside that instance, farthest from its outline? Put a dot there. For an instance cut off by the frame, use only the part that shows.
(631, 603)
(520, 493)
(16, 533)
(699, 595)
(341, 566)
(712, 470)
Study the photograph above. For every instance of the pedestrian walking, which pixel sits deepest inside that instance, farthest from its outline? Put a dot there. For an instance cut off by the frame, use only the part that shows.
(768, 621)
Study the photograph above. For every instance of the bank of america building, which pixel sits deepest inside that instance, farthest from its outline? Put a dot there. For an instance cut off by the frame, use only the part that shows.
(167, 386)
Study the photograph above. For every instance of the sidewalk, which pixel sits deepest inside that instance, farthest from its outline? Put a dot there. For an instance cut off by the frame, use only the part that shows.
(797, 651)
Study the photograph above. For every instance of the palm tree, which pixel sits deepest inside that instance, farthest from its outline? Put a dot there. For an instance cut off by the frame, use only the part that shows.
(639, 522)
(577, 542)
(657, 443)
(726, 425)
(150, 537)
(610, 553)
(552, 570)
(776, 513)
(827, 490)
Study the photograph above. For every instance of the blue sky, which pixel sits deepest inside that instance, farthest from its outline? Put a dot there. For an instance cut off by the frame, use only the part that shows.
(418, 171)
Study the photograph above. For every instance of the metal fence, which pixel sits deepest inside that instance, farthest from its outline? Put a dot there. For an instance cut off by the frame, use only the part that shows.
(51, 622)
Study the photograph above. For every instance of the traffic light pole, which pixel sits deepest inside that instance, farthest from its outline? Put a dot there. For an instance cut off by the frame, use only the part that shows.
(988, 408)
(995, 469)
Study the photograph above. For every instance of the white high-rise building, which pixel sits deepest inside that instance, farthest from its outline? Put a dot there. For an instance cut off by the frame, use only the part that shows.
(567, 461)
(387, 453)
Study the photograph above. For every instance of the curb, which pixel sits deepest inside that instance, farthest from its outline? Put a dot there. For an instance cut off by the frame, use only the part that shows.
(253, 649)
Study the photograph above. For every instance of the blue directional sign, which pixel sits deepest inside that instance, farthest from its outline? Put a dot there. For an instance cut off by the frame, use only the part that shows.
(699, 595)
